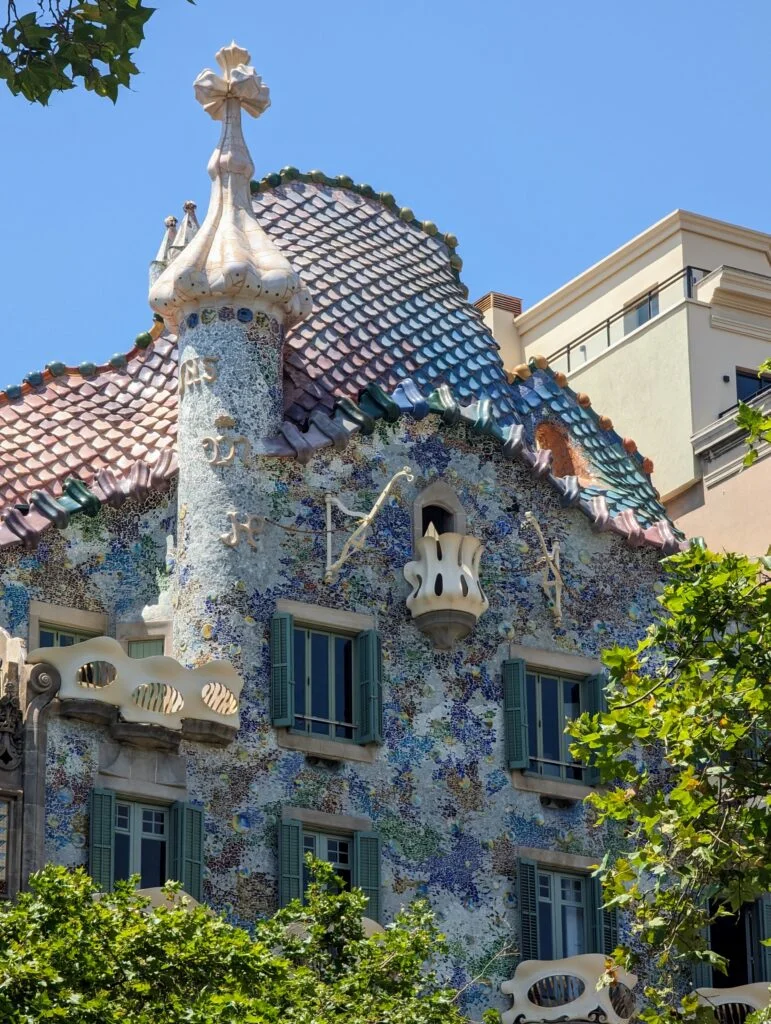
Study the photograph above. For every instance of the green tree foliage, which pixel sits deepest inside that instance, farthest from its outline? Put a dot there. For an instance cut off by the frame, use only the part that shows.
(757, 425)
(59, 42)
(69, 953)
(685, 750)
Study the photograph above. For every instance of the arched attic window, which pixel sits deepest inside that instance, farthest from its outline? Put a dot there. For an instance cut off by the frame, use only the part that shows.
(438, 506)
(567, 457)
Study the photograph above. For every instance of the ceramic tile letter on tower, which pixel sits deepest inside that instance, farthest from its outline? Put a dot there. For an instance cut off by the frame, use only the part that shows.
(230, 294)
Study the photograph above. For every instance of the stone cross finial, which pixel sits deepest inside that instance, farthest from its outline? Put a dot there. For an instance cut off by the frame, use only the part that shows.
(239, 81)
(230, 260)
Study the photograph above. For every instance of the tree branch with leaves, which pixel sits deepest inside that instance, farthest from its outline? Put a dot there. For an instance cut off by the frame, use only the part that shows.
(58, 43)
(685, 751)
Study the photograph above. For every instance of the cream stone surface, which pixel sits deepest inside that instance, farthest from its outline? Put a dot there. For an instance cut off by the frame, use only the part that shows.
(153, 691)
(756, 996)
(446, 575)
(230, 258)
(587, 968)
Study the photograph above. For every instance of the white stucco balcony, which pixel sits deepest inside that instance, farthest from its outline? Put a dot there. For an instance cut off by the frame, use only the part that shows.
(447, 598)
(566, 990)
(101, 682)
(733, 1005)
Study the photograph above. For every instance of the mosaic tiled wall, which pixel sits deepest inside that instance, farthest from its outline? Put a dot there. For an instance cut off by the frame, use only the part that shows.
(438, 792)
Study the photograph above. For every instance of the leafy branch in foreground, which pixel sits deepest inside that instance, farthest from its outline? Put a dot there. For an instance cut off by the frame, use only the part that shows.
(757, 425)
(685, 747)
(71, 953)
(49, 48)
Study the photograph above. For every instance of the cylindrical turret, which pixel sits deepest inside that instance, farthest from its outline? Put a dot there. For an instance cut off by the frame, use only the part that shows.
(230, 294)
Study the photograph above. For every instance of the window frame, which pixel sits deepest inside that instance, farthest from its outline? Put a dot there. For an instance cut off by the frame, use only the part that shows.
(441, 494)
(365, 869)
(565, 741)
(136, 834)
(11, 882)
(323, 838)
(645, 300)
(556, 876)
(333, 723)
(139, 631)
(147, 640)
(64, 618)
(520, 660)
(367, 735)
(601, 925)
(763, 381)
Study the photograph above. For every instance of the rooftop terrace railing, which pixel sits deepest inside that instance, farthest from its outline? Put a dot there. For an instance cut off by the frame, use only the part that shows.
(614, 328)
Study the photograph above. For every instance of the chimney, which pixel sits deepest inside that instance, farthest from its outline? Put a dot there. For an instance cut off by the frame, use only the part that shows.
(499, 313)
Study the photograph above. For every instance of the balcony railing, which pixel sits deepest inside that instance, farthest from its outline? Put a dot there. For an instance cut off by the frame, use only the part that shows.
(154, 691)
(759, 396)
(614, 328)
(734, 1005)
(566, 990)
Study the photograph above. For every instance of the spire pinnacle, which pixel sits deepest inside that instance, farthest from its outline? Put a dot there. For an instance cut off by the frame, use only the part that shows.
(230, 258)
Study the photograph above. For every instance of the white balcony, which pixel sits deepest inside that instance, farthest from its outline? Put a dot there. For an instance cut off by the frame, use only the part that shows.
(566, 990)
(733, 1005)
(447, 598)
(98, 679)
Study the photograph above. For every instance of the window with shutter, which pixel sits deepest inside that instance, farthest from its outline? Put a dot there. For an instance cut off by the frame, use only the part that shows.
(355, 858)
(290, 861)
(324, 683)
(515, 713)
(187, 848)
(604, 922)
(369, 687)
(156, 843)
(561, 914)
(367, 870)
(101, 837)
(281, 670)
(536, 708)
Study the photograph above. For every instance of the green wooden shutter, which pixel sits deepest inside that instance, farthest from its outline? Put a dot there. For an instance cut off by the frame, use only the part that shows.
(515, 713)
(527, 893)
(593, 696)
(762, 966)
(368, 685)
(187, 848)
(282, 669)
(603, 921)
(701, 975)
(290, 861)
(367, 864)
(101, 838)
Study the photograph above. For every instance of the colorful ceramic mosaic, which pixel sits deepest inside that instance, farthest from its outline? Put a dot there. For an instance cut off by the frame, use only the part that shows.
(438, 792)
(281, 407)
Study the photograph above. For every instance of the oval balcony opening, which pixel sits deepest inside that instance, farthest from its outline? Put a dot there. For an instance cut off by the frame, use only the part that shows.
(94, 675)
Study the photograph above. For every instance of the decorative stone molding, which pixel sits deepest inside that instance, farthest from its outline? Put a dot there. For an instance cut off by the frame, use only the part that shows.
(732, 1005)
(155, 691)
(559, 990)
(230, 257)
(11, 738)
(447, 598)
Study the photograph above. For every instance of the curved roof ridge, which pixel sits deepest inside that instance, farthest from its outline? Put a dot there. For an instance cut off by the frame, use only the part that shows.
(289, 174)
(118, 361)
(523, 371)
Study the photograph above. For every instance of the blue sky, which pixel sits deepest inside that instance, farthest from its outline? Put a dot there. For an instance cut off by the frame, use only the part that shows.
(542, 134)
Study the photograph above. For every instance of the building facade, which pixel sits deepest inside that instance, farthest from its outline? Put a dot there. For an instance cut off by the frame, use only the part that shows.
(666, 336)
(300, 574)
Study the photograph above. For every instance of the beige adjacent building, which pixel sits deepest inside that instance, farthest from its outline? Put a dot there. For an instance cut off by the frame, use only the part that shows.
(665, 335)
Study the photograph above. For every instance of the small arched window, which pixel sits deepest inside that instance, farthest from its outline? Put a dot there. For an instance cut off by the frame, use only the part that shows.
(438, 506)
